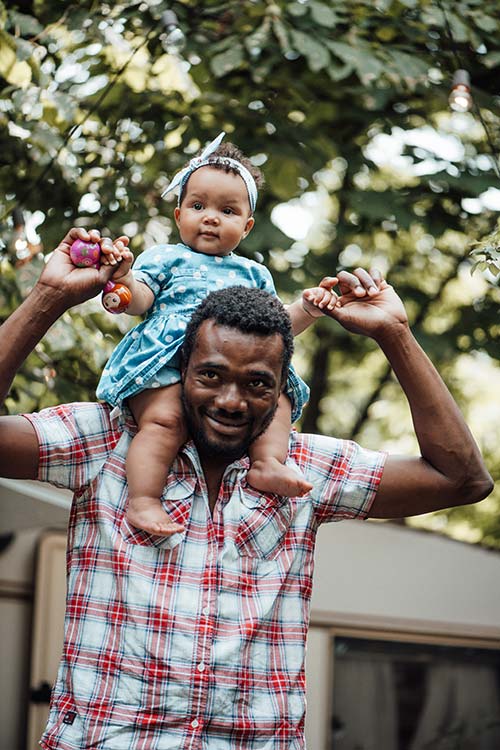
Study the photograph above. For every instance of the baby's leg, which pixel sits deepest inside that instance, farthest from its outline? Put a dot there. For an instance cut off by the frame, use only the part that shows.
(268, 471)
(162, 432)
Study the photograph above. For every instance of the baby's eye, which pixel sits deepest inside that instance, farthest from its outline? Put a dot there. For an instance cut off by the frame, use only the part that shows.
(197, 206)
(228, 211)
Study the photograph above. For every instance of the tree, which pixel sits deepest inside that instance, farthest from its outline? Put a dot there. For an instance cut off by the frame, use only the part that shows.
(96, 116)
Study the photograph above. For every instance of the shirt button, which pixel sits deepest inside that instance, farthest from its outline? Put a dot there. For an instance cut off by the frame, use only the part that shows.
(201, 667)
(205, 611)
(195, 723)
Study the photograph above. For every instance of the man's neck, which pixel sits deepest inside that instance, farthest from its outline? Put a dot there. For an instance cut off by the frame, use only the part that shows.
(213, 469)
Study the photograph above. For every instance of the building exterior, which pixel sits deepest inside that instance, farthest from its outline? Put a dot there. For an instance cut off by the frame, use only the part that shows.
(403, 650)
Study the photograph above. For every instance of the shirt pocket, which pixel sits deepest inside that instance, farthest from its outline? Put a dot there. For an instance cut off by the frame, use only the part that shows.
(177, 500)
(264, 523)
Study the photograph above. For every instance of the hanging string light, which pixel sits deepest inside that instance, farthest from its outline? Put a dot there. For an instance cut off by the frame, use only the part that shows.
(172, 39)
(460, 98)
(461, 95)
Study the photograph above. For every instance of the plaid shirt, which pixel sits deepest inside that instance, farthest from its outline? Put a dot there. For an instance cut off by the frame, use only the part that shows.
(198, 640)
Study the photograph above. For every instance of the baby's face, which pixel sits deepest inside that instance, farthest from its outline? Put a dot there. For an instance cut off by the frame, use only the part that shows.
(214, 215)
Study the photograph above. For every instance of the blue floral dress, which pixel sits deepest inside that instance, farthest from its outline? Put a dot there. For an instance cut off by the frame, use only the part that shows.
(180, 278)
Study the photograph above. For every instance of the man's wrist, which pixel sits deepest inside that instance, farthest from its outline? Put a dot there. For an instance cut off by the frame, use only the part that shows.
(313, 312)
(393, 334)
(50, 301)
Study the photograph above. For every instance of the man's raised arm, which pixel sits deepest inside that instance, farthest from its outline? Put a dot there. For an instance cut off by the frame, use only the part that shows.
(450, 470)
(60, 286)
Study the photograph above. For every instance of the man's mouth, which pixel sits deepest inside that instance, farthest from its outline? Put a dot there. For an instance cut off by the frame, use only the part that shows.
(226, 425)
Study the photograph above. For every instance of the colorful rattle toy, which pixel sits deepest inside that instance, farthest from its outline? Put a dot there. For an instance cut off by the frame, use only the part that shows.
(85, 254)
(116, 297)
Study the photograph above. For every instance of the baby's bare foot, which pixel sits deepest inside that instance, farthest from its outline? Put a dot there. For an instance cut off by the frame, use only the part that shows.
(272, 476)
(146, 513)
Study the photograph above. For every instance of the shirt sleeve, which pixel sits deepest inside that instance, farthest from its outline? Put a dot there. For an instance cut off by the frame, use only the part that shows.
(344, 475)
(152, 267)
(74, 442)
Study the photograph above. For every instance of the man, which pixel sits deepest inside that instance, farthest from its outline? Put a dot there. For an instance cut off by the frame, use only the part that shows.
(198, 640)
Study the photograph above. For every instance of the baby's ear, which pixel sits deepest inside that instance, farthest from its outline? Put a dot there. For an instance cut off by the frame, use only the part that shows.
(248, 226)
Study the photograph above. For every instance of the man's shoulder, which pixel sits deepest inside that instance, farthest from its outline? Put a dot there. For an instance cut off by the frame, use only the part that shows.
(84, 415)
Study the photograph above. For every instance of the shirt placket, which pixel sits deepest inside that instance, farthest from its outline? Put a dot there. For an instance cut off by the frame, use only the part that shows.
(203, 669)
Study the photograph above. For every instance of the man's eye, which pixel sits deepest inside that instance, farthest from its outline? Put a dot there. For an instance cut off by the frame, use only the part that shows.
(209, 374)
(258, 384)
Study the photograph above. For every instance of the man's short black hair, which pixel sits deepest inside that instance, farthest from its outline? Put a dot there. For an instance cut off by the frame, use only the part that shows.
(246, 310)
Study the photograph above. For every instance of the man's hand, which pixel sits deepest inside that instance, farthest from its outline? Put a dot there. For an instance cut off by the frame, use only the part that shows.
(72, 285)
(366, 305)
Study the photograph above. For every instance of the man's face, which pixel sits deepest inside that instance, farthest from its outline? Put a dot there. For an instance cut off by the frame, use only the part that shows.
(231, 388)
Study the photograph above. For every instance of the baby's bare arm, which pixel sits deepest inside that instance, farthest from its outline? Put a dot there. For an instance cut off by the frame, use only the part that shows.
(120, 256)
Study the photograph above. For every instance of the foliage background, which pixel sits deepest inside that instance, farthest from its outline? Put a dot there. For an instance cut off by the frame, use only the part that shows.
(96, 116)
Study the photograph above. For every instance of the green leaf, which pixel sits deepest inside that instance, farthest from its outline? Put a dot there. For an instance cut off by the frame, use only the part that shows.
(486, 23)
(256, 41)
(227, 61)
(339, 72)
(297, 9)
(460, 31)
(360, 57)
(323, 14)
(408, 67)
(24, 49)
(316, 54)
(492, 59)
(27, 25)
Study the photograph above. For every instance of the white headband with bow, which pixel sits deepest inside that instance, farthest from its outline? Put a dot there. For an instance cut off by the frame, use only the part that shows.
(205, 159)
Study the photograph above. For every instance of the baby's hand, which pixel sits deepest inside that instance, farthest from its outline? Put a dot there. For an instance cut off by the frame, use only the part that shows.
(117, 254)
(320, 298)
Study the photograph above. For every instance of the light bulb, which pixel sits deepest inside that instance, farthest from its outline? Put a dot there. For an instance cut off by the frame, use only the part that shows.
(460, 98)
(172, 40)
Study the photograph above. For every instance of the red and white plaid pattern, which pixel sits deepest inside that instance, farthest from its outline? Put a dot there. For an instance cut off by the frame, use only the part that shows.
(196, 641)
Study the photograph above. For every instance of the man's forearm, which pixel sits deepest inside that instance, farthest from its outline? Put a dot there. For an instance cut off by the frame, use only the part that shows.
(22, 331)
(445, 440)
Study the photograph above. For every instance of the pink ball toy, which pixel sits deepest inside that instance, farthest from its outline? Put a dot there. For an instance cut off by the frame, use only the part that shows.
(85, 254)
(116, 297)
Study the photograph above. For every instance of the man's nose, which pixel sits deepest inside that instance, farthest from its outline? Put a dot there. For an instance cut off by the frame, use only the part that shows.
(230, 398)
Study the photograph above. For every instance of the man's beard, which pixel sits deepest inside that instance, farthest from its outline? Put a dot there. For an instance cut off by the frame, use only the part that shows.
(219, 449)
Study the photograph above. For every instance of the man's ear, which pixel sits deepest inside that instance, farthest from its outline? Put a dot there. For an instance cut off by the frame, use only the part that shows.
(248, 227)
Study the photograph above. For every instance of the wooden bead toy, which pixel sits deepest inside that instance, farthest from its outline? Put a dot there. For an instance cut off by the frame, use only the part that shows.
(85, 254)
(116, 297)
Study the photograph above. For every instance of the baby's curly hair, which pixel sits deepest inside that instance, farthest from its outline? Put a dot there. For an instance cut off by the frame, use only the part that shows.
(230, 151)
(248, 310)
